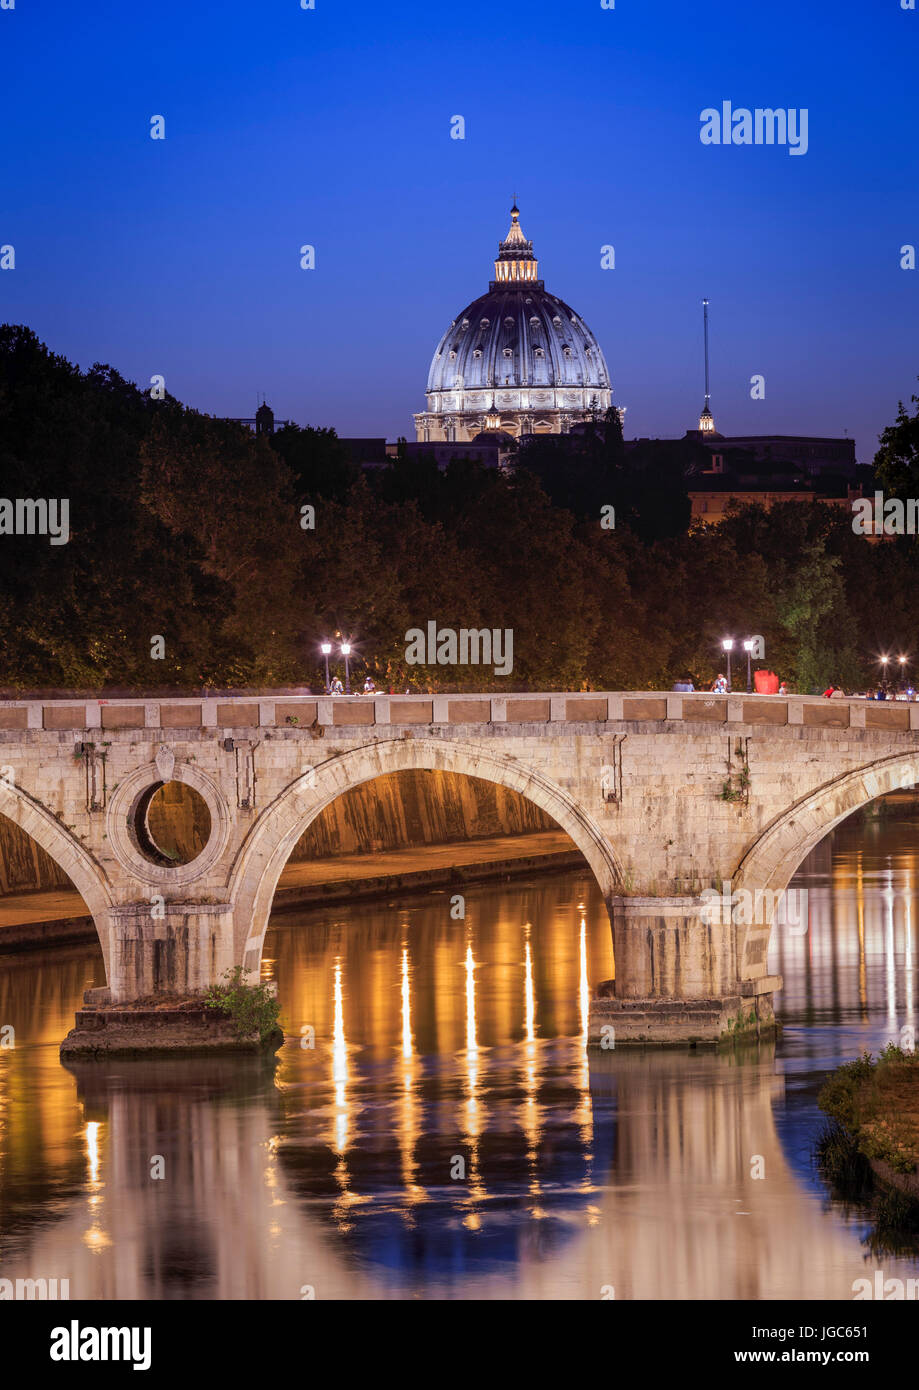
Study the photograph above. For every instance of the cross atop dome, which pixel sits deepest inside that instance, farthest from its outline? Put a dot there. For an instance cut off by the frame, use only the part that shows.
(516, 262)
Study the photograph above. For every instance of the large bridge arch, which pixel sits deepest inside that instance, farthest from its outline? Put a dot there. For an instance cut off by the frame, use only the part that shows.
(268, 846)
(68, 853)
(770, 862)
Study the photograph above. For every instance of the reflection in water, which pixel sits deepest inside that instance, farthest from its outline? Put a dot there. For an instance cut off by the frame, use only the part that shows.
(434, 1125)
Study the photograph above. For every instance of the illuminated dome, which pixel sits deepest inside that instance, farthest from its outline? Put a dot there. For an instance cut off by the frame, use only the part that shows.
(517, 359)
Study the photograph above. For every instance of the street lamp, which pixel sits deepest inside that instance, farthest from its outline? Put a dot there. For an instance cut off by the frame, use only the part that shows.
(346, 652)
(749, 644)
(727, 646)
(325, 648)
(904, 660)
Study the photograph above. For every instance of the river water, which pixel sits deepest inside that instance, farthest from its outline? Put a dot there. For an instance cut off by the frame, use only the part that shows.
(434, 1127)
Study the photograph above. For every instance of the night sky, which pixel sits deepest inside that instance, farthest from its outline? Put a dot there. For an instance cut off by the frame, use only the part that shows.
(332, 127)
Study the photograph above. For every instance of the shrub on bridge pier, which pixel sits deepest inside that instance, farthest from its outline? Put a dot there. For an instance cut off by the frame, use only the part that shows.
(253, 1008)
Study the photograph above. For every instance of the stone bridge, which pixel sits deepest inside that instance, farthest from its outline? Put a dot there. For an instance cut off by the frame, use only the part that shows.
(665, 795)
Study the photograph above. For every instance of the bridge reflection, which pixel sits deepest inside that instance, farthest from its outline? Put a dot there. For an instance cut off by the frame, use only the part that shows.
(658, 1174)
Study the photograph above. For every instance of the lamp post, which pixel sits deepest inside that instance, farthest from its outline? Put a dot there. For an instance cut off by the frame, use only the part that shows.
(346, 653)
(727, 646)
(325, 648)
(748, 646)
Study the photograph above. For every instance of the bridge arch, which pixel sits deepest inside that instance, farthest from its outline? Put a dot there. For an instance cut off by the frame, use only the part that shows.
(68, 853)
(769, 863)
(268, 846)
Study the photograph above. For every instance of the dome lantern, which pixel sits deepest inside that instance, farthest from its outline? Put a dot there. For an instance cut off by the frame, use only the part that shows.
(516, 261)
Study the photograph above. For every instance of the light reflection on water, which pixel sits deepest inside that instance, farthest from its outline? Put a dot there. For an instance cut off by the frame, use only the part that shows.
(448, 1135)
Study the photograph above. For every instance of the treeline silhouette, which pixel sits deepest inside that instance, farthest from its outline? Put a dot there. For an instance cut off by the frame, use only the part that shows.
(193, 530)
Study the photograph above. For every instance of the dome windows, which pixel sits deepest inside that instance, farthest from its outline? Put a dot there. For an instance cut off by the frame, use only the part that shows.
(557, 321)
(477, 352)
(534, 322)
(452, 354)
(508, 352)
(485, 323)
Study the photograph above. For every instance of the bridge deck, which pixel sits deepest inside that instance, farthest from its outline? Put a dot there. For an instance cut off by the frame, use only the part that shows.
(304, 711)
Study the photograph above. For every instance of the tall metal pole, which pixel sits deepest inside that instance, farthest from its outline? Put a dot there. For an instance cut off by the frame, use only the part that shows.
(705, 321)
(729, 671)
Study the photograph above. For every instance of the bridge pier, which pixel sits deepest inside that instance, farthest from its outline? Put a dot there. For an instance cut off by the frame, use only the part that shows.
(163, 956)
(677, 978)
(160, 947)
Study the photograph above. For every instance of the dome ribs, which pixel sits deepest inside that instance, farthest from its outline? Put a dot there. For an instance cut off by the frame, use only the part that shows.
(518, 353)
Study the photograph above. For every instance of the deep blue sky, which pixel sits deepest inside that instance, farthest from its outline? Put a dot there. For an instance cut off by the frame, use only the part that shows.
(331, 127)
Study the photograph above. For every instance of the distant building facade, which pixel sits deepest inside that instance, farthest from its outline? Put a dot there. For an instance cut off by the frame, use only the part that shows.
(814, 454)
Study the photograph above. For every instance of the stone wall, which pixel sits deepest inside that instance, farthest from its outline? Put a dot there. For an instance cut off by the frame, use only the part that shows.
(417, 807)
(24, 865)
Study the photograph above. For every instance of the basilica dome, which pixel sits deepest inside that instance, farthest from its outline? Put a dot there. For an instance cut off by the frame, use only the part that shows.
(516, 359)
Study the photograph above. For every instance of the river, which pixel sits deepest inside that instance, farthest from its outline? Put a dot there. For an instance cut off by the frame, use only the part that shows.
(433, 1126)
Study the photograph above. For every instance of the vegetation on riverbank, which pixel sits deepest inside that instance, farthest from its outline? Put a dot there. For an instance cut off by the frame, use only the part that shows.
(877, 1103)
(869, 1152)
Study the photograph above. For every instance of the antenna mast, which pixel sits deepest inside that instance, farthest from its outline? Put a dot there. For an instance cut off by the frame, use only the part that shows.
(706, 422)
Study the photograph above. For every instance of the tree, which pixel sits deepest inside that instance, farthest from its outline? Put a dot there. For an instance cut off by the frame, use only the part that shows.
(896, 463)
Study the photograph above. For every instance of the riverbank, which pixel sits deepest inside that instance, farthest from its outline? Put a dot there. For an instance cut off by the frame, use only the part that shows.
(870, 1152)
(54, 916)
(877, 1104)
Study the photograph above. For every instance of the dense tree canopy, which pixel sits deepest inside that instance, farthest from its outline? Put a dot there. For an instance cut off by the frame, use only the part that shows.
(195, 531)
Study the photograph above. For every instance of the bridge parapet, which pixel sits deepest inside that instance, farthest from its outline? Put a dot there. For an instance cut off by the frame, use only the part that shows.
(234, 712)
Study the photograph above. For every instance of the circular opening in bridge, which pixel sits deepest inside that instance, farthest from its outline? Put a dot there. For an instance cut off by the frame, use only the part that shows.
(172, 823)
